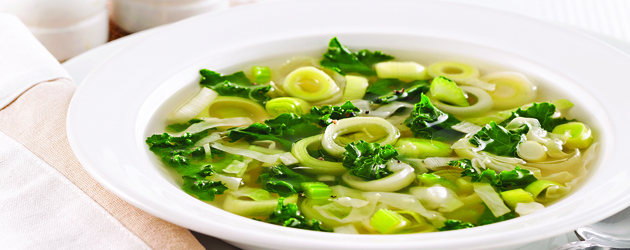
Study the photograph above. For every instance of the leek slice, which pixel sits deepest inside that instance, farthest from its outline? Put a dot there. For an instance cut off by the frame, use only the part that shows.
(580, 135)
(254, 208)
(357, 124)
(261, 74)
(386, 221)
(459, 72)
(355, 88)
(531, 151)
(528, 208)
(484, 103)
(271, 159)
(334, 214)
(422, 148)
(491, 198)
(208, 123)
(394, 182)
(194, 106)
(310, 84)
(514, 196)
(347, 229)
(231, 106)
(512, 89)
(315, 166)
(281, 105)
(437, 197)
(401, 70)
(539, 187)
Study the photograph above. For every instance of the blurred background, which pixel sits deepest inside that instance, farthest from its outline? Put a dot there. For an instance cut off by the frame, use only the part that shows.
(68, 28)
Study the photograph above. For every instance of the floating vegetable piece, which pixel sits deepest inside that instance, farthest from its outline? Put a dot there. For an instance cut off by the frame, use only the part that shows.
(389, 90)
(254, 207)
(539, 188)
(358, 124)
(231, 106)
(343, 61)
(580, 135)
(512, 89)
(401, 70)
(426, 121)
(194, 106)
(531, 151)
(514, 196)
(236, 84)
(310, 84)
(355, 88)
(315, 165)
(387, 221)
(445, 90)
(482, 103)
(422, 148)
(459, 72)
(261, 74)
(281, 105)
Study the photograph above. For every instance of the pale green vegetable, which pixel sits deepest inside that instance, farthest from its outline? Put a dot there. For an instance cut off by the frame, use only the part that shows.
(445, 90)
(491, 198)
(387, 221)
(514, 196)
(347, 229)
(315, 166)
(310, 84)
(355, 88)
(209, 123)
(401, 70)
(194, 106)
(335, 214)
(483, 104)
(256, 194)
(512, 89)
(422, 148)
(531, 151)
(231, 106)
(437, 197)
(394, 182)
(231, 182)
(539, 187)
(528, 208)
(277, 158)
(461, 73)
(580, 135)
(252, 207)
(372, 125)
(281, 105)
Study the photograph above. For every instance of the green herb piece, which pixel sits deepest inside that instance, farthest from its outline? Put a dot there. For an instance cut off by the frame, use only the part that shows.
(281, 180)
(427, 121)
(285, 129)
(179, 127)
(497, 140)
(343, 61)
(204, 189)
(289, 216)
(325, 115)
(368, 160)
(543, 112)
(488, 218)
(454, 225)
(236, 84)
(506, 180)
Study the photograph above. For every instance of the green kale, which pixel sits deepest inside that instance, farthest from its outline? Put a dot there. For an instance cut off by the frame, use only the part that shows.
(204, 189)
(497, 140)
(488, 218)
(506, 180)
(179, 127)
(427, 121)
(389, 90)
(281, 180)
(180, 153)
(285, 129)
(325, 115)
(289, 216)
(236, 84)
(343, 61)
(454, 225)
(543, 112)
(368, 160)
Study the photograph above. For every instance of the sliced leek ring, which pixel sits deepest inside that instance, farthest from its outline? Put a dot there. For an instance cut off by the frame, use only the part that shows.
(231, 106)
(512, 89)
(484, 103)
(461, 73)
(394, 182)
(401, 70)
(357, 124)
(355, 88)
(194, 106)
(310, 84)
(254, 208)
(315, 166)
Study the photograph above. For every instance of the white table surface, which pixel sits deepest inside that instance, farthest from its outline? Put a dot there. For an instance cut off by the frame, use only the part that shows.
(607, 20)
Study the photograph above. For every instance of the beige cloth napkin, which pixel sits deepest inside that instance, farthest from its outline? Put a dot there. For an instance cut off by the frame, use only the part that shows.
(47, 199)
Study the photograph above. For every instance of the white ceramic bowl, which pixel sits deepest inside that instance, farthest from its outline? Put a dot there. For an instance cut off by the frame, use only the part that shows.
(123, 101)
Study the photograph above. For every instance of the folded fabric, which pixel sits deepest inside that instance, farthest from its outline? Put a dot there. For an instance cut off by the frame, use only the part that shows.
(48, 201)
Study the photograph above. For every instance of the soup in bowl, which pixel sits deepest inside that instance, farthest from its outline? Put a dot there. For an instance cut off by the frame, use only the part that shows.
(152, 78)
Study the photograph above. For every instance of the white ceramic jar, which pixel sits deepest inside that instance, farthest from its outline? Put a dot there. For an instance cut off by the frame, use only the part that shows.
(65, 27)
(137, 15)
